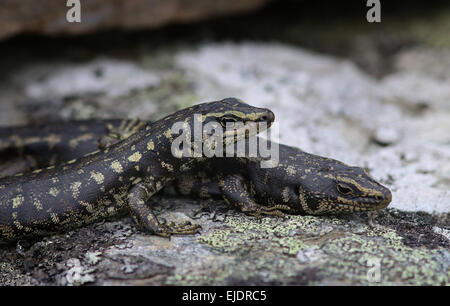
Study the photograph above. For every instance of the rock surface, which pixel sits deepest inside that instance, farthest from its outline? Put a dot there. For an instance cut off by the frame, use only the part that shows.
(49, 17)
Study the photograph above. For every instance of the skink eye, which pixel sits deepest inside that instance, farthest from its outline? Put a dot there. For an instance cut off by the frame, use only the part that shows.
(343, 189)
(226, 120)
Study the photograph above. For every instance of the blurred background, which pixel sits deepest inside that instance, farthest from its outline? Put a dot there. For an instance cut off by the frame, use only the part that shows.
(375, 95)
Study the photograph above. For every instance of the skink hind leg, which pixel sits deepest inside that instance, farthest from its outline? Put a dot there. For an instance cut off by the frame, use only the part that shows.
(144, 216)
(235, 192)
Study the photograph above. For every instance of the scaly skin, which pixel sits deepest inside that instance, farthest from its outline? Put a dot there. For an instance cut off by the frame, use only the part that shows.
(300, 183)
(35, 146)
(113, 181)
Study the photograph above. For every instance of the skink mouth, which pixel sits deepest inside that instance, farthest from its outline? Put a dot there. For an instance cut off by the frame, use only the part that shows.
(359, 207)
(246, 131)
(364, 204)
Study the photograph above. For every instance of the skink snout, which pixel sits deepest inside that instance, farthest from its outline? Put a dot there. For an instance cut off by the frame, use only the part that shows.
(270, 116)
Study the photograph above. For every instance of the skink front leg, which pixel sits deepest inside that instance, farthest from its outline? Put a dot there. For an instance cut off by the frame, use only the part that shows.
(235, 192)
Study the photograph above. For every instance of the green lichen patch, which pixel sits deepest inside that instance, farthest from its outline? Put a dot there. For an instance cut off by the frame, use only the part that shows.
(398, 264)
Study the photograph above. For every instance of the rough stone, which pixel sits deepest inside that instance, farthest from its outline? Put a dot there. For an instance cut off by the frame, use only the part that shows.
(49, 17)
(395, 125)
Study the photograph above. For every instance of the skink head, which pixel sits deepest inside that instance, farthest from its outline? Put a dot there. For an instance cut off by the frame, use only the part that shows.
(215, 124)
(313, 184)
(337, 187)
